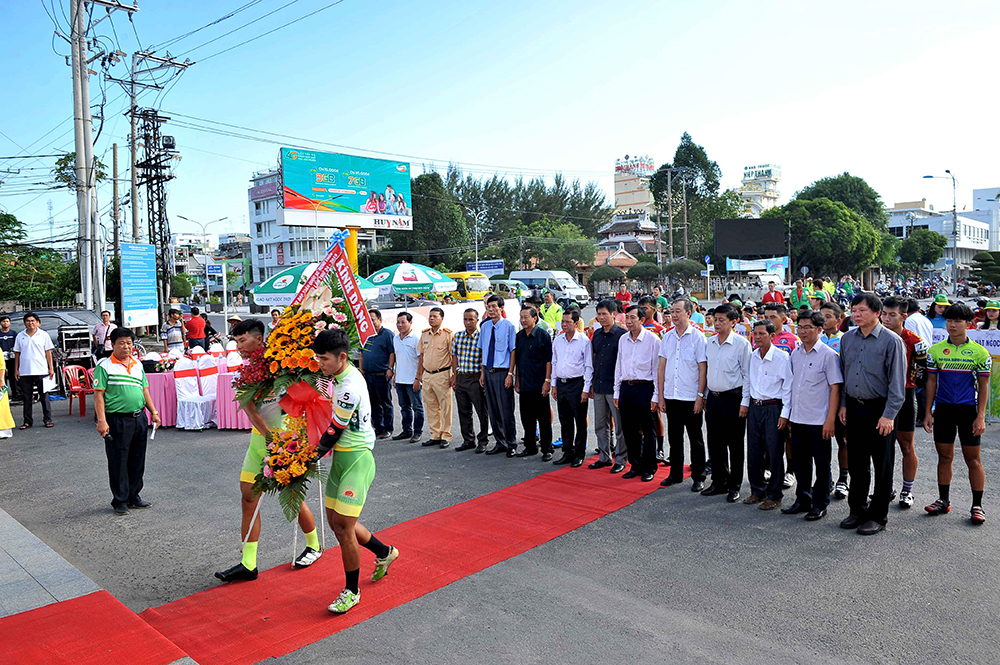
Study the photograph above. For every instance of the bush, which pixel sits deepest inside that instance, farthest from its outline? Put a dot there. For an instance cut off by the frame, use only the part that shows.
(606, 274)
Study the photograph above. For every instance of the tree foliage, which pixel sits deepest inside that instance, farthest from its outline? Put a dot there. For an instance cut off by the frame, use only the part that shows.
(606, 274)
(180, 285)
(31, 274)
(683, 269)
(853, 192)
(829, 237)
(65, 171)
(644, 272)
(437, 222)
(985, 267)
(923, 247)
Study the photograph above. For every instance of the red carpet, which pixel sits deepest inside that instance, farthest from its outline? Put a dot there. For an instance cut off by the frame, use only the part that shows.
(285, 609)
(95, 628)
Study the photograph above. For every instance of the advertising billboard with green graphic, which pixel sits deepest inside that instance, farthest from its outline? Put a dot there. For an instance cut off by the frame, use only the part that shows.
(335, 190)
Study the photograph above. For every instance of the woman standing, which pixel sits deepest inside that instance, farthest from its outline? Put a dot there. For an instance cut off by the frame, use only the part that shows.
(936, 311)
(992, 321)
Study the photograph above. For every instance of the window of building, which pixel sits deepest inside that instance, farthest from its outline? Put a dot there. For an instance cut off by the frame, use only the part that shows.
(260, 274)
(256, 207)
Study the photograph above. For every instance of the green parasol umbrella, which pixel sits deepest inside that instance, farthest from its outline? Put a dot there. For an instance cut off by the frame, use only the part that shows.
(279, 290)
(411, 278)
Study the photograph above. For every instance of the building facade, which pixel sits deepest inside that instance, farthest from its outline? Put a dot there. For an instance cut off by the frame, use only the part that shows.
(275, 247)
(759, 189)
(974, 235)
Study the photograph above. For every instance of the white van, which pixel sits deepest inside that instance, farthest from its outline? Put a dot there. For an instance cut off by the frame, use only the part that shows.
(559, 282)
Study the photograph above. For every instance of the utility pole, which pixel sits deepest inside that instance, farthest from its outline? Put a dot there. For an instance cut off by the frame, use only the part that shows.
(114, 194)
(685, 204)
(520, 252)
(670, 214)
(134, 197)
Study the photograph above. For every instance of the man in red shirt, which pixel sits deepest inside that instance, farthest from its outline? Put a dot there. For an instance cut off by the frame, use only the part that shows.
(196, 330)
(772, 295)
(894, 311)
(624, 296)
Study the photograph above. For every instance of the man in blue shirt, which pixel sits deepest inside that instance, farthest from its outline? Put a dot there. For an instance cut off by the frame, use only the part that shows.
(377, 361)
(497, 342)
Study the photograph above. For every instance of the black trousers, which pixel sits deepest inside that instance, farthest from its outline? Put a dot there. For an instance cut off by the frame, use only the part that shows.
(126, 452)
(808, 448)
(726, 434)
(634, 402)
(865, 446)
(765, 450)
(572, 417)
(680, 417)
(381, 399)
(27, 385)
(15, 390)
(535, 410)
(470, 395)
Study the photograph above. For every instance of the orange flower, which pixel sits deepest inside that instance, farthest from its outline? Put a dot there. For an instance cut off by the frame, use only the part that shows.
(273, 367)
(313, 365)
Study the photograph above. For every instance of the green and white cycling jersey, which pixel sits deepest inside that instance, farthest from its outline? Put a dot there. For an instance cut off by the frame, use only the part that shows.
(352, 411)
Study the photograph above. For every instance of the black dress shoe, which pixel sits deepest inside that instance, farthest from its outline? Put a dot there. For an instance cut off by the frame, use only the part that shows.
(631, 474)
(527, 453)
(852, 521)
(496, 450)
(402, 436)
(796, 508)
(733, 497)
(870, 527)
(481, 448)
(668, 481)
(546, 457)
(617, 468)
(511, 451)
(565, 459)
(237, 573)
(430, 442)
(444, 443)
(120, 510)
(465, 446)
(577, 463)
(647, 477)
(698, 486)
(139, 503)
(598, 465)
(816, 514)
(713, 490)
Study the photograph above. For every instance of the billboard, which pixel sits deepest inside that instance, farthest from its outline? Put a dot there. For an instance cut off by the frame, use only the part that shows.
(750, 237)
(138, 288)
(334, 190)
(642, 166)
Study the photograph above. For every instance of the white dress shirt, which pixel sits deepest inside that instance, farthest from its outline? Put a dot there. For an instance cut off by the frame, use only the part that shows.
(638, 360)
(728, 362)
(921, 325)
(682, 354)
(572, 358)
(770, 378)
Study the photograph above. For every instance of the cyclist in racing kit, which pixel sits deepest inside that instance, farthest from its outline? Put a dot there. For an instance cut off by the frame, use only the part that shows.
(351, 437)
(958, 376)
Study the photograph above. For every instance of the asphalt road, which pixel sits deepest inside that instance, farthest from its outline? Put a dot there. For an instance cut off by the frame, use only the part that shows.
(676, 577)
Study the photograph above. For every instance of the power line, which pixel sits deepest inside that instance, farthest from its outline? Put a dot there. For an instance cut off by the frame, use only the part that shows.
(226, 34)
(207, 25)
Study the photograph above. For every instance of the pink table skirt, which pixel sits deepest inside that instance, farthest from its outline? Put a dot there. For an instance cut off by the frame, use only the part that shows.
(228, 413)
(164, 394)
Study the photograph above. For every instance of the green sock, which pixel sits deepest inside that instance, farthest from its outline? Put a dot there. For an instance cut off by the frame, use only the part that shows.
(312, 540)
(250, 555)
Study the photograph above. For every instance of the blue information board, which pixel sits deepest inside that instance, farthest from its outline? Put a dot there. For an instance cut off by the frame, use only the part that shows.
(488, 267)
(139, 298)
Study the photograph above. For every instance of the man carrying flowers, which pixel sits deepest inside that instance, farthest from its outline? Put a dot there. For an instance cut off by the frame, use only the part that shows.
(351, 437)
(267, 417)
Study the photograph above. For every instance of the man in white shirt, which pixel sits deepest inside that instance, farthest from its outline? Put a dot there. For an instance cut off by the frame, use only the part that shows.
(768, 396)
(680, 384)
(635, 393)
(33, 363)
(728, 371)
(411, 406)
(572, 373)
(102, 335)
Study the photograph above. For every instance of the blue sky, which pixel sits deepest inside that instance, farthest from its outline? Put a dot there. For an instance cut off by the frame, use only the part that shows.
(889, 91)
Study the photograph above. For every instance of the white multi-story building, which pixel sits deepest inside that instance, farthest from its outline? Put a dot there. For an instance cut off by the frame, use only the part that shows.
(974, 235)
(759, 189)
(275, 246)
(986, 208)
(202, 241)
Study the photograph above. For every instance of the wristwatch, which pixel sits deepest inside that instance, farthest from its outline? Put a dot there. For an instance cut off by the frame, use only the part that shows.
(701, 394)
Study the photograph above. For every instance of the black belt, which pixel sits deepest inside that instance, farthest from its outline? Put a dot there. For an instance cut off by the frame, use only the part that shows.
(437, 371)
(869, 401)
(574, 378)
(497, 369)
(127, 414)
(468, 373)
(638, 382)
(765, 402)
(721, 393)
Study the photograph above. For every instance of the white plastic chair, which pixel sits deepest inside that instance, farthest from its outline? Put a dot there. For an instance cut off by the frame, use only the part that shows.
(196, 352)
(216, 350)
(152, 355)
(194, 410)
(175, 353)
(208, 375)
(231, 345)
(234, 361)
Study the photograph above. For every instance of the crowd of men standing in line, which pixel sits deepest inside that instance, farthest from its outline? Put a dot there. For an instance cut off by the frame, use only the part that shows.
(768, 397)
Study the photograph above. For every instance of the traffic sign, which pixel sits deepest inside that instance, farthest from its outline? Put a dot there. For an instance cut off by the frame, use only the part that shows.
(804, 270)
(704, 273)
(949, 262)
(214, 269)
(707, 259)
(711, 266)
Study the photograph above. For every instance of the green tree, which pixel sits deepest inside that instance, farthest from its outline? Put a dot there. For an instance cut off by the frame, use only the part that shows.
(644, 272)
(683, 269)
(180, 285)
(437, 222)
(853, 192)
(985, 268)
(606, 274)
(65, 171)
(549, 245)
(11, 230)
(829, 237)
(924, 247)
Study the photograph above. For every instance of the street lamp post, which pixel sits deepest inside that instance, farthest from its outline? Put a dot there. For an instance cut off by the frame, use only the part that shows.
(954, 227)
(203, 234)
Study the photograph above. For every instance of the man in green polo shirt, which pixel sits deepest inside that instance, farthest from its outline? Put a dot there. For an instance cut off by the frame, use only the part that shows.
(121, 395)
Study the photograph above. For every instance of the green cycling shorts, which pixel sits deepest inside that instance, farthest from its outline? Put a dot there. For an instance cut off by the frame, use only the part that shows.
(350, 477)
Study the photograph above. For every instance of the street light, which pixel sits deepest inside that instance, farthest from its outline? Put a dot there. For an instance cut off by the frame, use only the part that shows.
(203, 234)
(954, 227)
(477, 214)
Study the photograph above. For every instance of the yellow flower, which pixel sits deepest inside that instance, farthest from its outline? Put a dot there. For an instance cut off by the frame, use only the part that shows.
(282, 476)
(297, 469)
